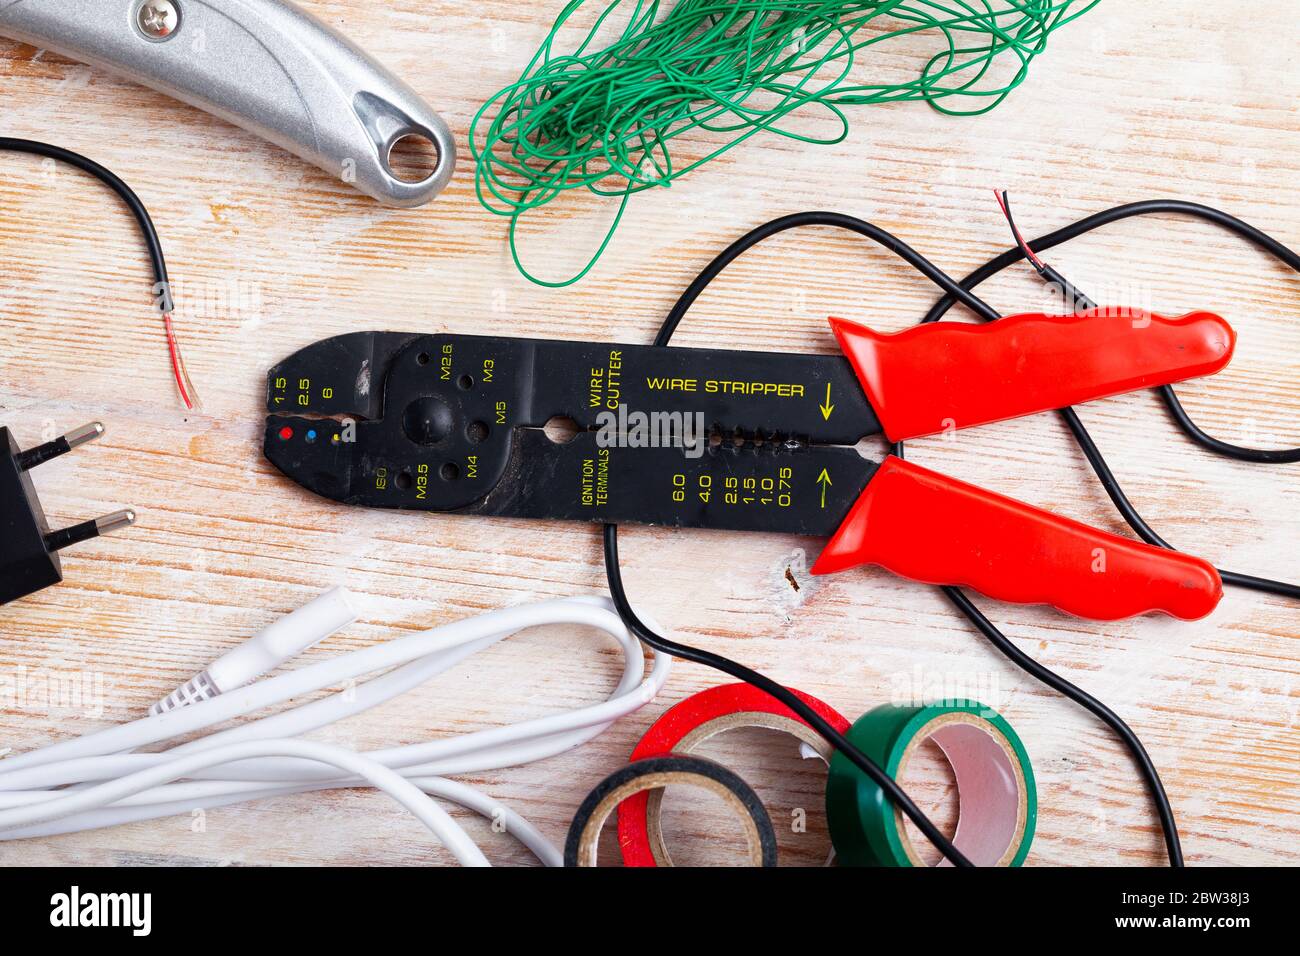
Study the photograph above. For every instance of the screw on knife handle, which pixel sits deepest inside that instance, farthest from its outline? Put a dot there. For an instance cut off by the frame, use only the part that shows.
(947, 375)
(265, 65)
(937, 530)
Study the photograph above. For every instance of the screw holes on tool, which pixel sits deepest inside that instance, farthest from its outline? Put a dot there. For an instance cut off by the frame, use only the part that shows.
(404, 480)
(449, 472)
(465, 382)
(477, 432)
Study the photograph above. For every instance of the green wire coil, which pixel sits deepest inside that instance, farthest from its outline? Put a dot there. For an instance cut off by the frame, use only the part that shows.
(603, 118)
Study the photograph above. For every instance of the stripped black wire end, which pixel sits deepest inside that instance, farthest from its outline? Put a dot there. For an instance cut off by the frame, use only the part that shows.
(1075, 300)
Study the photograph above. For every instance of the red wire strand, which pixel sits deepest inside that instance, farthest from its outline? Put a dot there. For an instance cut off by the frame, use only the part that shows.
(178, 365)
(1000, 195)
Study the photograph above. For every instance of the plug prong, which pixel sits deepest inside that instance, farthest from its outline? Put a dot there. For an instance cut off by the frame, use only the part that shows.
(79, 436)
(67, 537)
(27, 460)
(116, 521)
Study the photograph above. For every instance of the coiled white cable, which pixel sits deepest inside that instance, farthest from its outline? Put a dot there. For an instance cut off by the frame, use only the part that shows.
(98, 781)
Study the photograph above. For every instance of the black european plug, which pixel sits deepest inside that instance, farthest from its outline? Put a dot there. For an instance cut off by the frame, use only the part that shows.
(29, 550)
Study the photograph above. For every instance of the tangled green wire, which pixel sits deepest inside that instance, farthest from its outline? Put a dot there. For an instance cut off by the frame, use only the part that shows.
(603, 119)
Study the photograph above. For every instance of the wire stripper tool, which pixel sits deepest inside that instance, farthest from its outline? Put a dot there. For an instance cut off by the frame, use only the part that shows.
(456, 424)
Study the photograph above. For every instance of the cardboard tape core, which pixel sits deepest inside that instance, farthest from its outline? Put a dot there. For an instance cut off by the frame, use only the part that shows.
(992, 803)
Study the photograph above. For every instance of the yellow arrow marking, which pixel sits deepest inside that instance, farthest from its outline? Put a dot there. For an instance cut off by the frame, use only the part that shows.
(828, 407)
(824, 479)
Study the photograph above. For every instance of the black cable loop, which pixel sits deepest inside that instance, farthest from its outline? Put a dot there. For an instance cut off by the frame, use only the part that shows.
(1079, 300)
(1148, 207)
(113, 182)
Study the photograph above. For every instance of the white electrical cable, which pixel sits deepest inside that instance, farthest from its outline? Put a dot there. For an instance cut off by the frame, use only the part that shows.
(108, 784)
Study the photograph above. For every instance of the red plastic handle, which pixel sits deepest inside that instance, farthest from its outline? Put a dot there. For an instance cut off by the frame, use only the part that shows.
(938, 530)
(946, 375)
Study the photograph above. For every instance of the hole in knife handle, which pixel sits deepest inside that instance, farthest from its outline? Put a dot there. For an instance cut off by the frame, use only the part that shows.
(561, 429)
(413, 158)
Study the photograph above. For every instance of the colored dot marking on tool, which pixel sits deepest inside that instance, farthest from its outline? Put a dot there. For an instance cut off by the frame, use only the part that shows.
(311, 435)
(286, 433)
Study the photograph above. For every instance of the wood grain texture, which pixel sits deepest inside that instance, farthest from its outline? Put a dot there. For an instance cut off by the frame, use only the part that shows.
(1133, 101)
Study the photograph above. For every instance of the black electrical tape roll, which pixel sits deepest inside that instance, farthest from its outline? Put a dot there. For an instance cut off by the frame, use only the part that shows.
(655, 773)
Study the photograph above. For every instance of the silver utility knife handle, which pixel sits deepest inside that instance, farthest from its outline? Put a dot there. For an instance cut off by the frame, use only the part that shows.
(265, 65)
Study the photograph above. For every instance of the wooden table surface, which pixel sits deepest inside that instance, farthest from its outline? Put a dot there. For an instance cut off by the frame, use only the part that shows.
(1133, 101)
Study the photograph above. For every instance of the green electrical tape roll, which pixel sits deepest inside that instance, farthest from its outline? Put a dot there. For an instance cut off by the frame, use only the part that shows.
(998, 803)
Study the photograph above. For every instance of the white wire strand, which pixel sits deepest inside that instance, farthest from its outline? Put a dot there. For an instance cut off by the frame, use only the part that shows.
(108, 784)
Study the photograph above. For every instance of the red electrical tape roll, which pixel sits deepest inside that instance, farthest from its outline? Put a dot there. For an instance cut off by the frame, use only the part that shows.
(688, 724)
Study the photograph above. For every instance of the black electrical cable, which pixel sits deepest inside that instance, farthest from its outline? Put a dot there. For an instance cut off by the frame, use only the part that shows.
(1149, 207)
(162, 284)
(613, 571)
(1085, 700)
(896, 794)
(1076, 299)
(113, 182)
(1001, 642)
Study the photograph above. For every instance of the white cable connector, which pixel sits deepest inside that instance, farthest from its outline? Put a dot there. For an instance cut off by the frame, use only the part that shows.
(266, 650)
